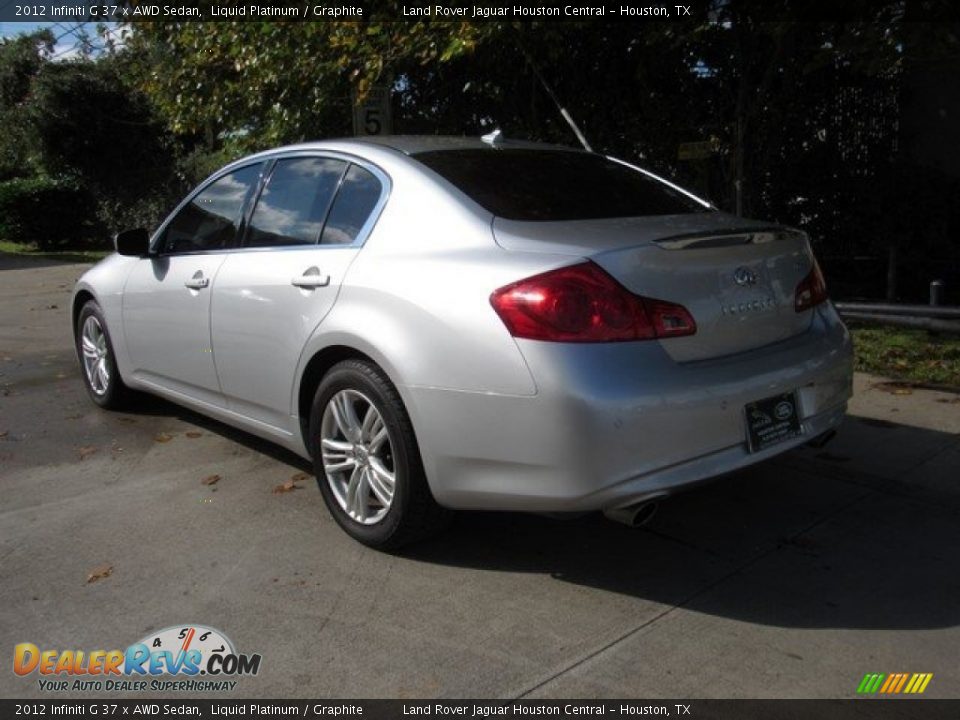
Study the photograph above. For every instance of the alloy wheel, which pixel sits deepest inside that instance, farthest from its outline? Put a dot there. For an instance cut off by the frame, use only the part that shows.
(358, 461)
(96, 355)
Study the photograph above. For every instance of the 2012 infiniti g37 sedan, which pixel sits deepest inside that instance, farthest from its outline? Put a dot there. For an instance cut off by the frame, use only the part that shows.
(444, 323)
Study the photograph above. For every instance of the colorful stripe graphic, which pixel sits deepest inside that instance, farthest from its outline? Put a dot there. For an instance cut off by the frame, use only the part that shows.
(894, 683)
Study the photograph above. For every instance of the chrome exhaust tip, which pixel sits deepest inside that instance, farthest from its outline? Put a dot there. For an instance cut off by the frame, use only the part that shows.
(634, 515)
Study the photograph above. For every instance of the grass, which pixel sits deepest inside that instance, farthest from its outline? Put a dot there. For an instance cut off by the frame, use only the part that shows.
(907, 355)
(75, 256)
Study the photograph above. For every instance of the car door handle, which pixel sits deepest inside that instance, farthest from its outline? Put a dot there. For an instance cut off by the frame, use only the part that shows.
(197, 282)
(310, 279)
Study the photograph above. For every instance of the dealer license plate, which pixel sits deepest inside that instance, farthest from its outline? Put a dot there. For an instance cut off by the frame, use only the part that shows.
(772, 420)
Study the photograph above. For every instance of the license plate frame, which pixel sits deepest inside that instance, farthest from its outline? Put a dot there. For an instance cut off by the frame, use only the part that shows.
(772, 420)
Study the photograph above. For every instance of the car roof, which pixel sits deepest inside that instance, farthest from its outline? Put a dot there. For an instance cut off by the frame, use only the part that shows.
(413, 144)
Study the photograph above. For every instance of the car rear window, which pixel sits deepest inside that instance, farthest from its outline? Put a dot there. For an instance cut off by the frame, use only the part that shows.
(548, 185)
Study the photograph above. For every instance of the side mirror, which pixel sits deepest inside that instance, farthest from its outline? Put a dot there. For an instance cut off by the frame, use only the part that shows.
(134, 242)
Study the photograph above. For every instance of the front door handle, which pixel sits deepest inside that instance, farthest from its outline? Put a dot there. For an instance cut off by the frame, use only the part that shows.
(311, 278)
(198, 281)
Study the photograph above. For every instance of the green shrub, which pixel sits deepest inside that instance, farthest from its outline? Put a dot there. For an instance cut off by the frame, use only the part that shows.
(52, 214)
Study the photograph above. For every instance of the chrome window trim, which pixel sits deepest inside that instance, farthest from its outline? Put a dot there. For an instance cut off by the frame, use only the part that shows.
(268, 160)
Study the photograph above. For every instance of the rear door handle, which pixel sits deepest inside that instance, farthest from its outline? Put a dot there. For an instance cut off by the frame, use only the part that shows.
(198, 281)
(311, 278)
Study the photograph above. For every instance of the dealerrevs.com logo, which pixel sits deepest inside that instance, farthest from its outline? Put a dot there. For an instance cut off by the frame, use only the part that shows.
(189, 658)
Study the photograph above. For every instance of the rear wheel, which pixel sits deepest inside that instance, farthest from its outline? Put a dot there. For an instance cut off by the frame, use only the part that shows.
(367, 460)
(97, 359)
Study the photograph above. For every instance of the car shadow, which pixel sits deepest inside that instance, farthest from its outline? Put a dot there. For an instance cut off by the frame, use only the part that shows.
(816, 538)
(808, 540)
(154, 406)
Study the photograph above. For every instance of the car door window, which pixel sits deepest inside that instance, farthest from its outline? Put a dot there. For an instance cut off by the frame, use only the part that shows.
(210, 220)
(294, 202)
(356, 199)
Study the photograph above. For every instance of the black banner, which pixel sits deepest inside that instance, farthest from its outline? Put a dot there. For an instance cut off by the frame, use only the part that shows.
(880, 709)
(452, 11)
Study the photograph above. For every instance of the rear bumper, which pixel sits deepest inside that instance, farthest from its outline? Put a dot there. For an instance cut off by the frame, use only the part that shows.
(612, 424)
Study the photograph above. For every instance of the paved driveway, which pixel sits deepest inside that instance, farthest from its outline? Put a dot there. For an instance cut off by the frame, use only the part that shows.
(792, 579)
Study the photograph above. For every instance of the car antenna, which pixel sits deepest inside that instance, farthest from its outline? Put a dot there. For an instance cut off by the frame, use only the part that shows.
(556, 101)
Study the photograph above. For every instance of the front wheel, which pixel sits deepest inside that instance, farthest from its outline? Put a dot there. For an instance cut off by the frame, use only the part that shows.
(367, 460)
(97, 359)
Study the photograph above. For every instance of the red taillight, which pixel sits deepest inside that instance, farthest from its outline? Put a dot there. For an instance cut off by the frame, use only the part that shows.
(811, 291)
(582, 303)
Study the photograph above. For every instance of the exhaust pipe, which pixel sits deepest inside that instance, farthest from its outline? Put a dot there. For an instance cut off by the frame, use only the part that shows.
(633, 515)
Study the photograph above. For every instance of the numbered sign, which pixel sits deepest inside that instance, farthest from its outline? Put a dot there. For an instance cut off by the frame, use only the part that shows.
(698, 150)
(371, 116)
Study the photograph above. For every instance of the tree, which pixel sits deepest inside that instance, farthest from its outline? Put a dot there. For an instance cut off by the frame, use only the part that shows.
(20, 60)
(94, 128)
(259, 84)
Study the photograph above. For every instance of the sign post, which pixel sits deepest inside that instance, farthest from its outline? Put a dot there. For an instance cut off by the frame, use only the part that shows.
(372, 115)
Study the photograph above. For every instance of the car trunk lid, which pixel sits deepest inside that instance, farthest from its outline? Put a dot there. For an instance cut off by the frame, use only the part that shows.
(736, 277)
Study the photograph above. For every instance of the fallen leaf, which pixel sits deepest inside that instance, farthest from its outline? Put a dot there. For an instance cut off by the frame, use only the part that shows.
(86, 451)
(100, 571)
(903, 391)
(299, 477)
(4, 433)
(286, 487)
(163, 437)
(211, 480)
(193, 434)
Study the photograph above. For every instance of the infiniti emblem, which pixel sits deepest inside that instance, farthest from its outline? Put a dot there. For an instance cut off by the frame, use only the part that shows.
(744, 276)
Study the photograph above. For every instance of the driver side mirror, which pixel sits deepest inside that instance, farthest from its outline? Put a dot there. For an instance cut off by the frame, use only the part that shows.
(135, 243)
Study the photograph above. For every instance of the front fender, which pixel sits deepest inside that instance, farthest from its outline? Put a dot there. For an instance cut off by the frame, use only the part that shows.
(105, 282)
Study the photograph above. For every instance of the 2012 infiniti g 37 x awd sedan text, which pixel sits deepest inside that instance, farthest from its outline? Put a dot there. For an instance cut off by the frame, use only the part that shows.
(445, 323)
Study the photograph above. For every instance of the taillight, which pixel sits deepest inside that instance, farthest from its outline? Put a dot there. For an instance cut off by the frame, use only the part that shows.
(811, 291)
(582, 303)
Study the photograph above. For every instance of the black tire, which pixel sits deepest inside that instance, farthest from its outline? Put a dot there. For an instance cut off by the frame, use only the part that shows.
(116, 395)
(413, 514)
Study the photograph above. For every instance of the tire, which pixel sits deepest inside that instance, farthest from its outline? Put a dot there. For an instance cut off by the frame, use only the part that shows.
(106, 390)
(355, 455)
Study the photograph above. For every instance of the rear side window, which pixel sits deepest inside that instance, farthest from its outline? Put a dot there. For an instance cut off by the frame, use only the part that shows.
(548, 185)
(209, 221)
(358, 196)
(294, 202)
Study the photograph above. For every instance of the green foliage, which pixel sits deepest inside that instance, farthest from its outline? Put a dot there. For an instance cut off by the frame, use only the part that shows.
(264, 83)
(20, 61)
(91, 126)
(52, 214)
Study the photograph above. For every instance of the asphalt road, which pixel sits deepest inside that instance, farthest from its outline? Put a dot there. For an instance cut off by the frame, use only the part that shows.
(792, 579)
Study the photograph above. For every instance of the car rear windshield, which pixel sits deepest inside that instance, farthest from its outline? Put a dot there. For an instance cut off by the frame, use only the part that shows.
(548, 185)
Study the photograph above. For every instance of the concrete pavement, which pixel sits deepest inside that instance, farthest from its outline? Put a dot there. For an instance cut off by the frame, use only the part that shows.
(791, 579)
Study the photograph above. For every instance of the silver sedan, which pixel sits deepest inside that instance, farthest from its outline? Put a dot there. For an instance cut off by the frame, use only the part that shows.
(445, 323)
